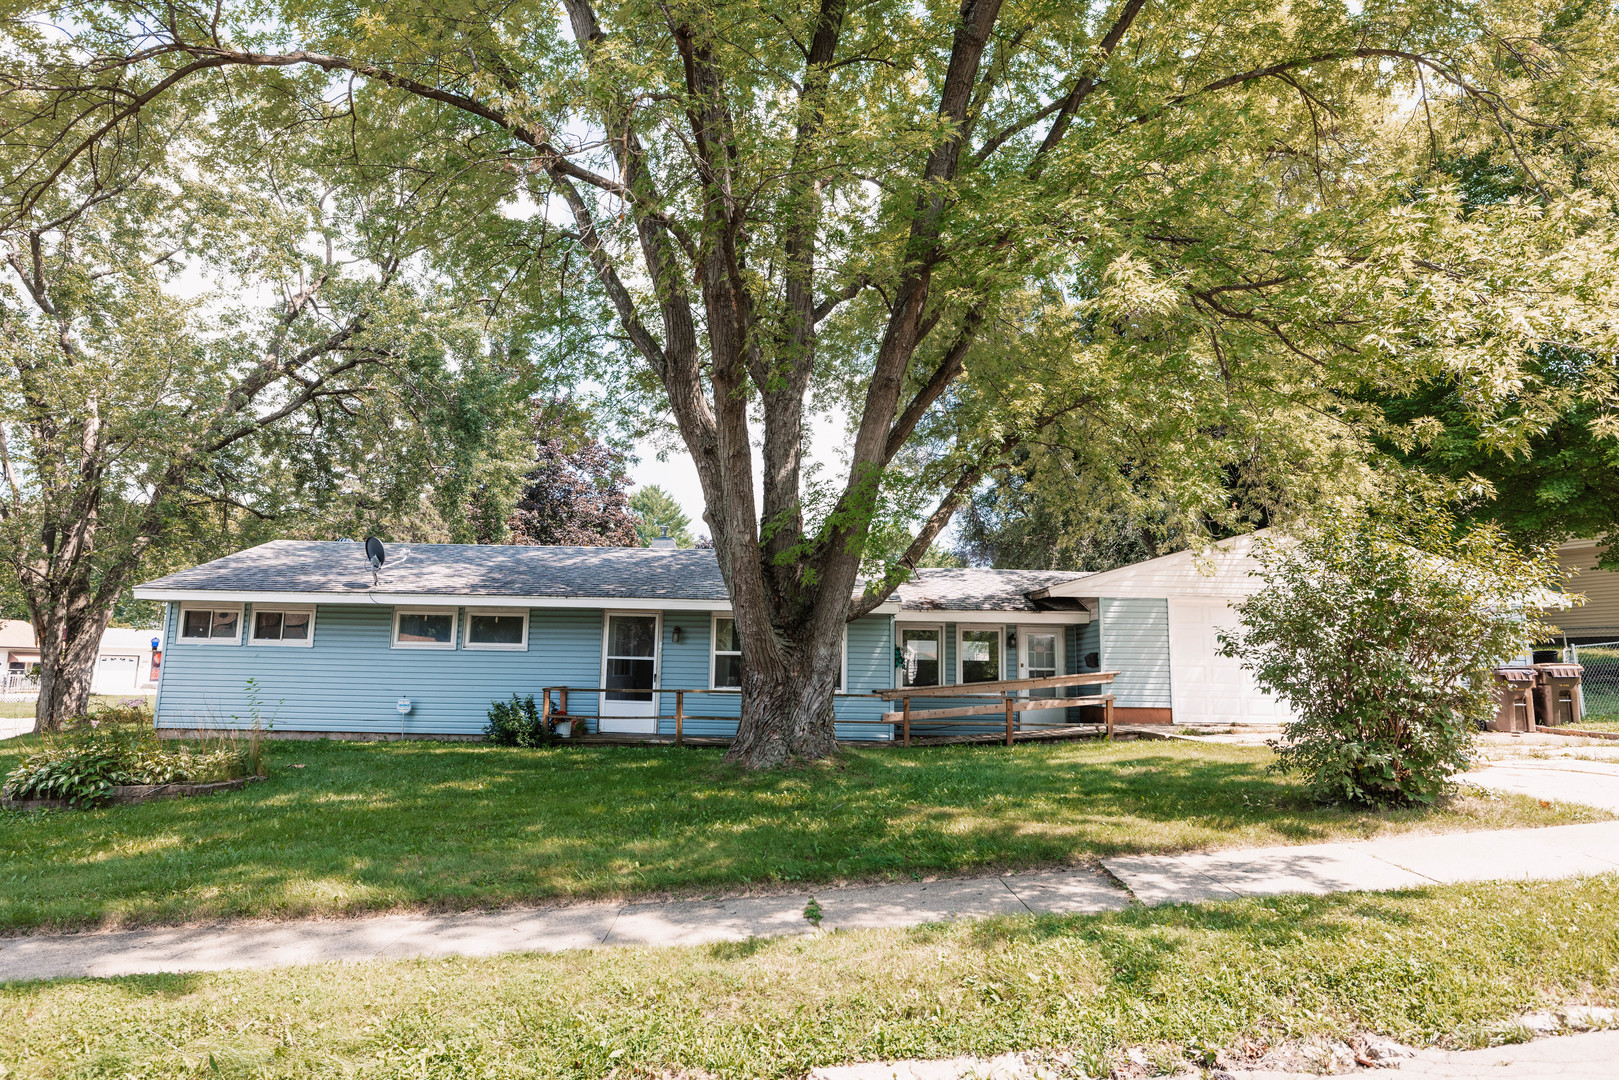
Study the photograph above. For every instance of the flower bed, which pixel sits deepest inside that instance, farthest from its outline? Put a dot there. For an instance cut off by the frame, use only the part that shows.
(134, 793)
(114, 757)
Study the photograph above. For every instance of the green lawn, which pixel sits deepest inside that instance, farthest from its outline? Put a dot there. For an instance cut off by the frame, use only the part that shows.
(1450, 964)
(365, 827)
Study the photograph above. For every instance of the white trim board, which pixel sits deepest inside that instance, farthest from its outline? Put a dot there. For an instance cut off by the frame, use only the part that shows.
(1224, 569)
(936, 616)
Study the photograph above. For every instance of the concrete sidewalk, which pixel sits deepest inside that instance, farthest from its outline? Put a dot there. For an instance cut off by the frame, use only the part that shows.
(1589, 1056)
(1406, 862)
(696, 922)
(1401, 862)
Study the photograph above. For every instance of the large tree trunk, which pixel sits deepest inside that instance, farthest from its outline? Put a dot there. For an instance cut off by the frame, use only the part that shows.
(787, 711)
(69, 643)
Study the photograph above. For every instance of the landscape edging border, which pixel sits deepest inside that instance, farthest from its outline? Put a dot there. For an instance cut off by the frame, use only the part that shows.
(125, 794)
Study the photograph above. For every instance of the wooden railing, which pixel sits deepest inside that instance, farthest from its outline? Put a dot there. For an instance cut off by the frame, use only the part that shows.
(680, 717)
(1010, 705)
(1010, 690)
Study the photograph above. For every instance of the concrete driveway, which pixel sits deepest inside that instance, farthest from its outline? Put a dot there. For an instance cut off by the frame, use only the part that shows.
(1594, 783)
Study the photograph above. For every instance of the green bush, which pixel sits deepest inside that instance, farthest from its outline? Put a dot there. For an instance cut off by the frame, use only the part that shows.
(81, 774)
(1384, 644)
(84, 765)
(518, 723)
(128, 712)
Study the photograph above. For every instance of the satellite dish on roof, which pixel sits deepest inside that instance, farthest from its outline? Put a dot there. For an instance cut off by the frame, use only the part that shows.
(376, 556)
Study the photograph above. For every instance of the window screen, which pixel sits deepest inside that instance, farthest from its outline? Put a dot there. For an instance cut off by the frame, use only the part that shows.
(980, 655)
(919, 657)
(426, 628)
(727, 655)
(495, 629)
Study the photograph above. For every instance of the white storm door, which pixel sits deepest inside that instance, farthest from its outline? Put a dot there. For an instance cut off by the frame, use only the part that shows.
(1040, 656)
(1205, 687)
(630, 674)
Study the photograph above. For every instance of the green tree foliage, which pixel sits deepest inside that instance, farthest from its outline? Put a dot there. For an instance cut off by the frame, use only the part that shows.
(967, 225)
(1383, 641)
(194, 355)
(578, 490)
(1563, 483)
(657, 510)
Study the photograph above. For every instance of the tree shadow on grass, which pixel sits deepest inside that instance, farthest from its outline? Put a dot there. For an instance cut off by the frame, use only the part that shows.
(372, 826)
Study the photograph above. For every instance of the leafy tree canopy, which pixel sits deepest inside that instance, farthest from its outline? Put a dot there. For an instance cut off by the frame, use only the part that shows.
(657, 510)
(578, 491)
(967, 225)
(195, 356)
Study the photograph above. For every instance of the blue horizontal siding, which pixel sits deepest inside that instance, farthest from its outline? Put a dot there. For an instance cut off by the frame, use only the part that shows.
(991, 723)
(1135, 642)
(350, 678)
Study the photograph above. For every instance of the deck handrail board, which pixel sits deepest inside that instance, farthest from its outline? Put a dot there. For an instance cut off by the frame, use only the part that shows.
(1087, 678)
(919, 716)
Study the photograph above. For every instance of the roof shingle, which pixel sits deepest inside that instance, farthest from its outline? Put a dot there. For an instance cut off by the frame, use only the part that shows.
(340, 567)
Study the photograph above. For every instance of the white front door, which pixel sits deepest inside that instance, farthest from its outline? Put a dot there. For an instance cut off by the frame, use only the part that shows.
(1205, 687)
(630, 674)
(1040, 656)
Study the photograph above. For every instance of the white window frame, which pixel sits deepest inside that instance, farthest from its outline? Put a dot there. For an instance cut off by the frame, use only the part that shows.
(455, 625)
(492, 646)
(180, 627)
(714, 636)
(996, 628)
(713, 653)
(899, 642)
(284, 609)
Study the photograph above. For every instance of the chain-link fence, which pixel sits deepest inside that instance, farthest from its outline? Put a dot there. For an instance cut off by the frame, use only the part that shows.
(1599, 683)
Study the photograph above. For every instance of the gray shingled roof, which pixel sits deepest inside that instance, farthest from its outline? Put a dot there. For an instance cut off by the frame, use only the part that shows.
(972, 589)
(337, 567)
(320, 566)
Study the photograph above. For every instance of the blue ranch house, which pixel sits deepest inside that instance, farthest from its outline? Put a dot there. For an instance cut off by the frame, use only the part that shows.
(423, 647)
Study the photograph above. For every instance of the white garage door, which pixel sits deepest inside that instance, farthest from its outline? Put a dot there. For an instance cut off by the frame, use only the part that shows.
(116, 674)
(1206, 687)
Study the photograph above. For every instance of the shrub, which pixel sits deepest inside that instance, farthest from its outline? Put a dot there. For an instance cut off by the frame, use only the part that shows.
(82, 774)
(518, 723)
(84, 766)
(1385, 648)
(128, 712)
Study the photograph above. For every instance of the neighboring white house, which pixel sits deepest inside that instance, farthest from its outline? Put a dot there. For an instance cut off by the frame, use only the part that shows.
(1192, 592)
(127, 663)
(1598, 618)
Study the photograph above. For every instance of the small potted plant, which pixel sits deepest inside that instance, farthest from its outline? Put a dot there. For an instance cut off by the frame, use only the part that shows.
(562, 724)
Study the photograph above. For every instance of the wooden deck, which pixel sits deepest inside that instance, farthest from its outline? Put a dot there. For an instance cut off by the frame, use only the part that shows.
(1069, 733)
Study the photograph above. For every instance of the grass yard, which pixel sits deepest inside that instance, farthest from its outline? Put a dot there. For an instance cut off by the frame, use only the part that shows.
(351, 827)
(13, 710)
(1449, 964)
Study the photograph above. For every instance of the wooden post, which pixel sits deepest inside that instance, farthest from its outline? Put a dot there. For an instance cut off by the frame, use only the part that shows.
(1008, 697)
(680, 714)
(906, 722)
(1107, 713)
(545, 711)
